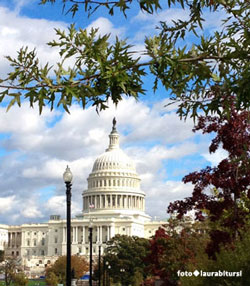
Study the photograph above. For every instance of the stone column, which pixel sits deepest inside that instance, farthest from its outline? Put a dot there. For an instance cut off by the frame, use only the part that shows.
(63, 234)
(83, 234)
(13, 239)
(106, 201)
(77, 234)
(108, 233)
(97, 233)
(101, 201)
(95, 201)
(116, 201)
(112, 230)
(23, 239)
(101, 234)
(74, 234)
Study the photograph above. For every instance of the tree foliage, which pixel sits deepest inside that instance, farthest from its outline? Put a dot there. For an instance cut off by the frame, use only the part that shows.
(78, 265)
(222, 193)
(20, 279)
(173, 248)
(10, 268)
(125, 256)
(51, 279)
(232, 258)
(202, 76)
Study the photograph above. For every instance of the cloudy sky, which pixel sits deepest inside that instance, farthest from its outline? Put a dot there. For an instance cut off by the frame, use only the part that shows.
(34, 150)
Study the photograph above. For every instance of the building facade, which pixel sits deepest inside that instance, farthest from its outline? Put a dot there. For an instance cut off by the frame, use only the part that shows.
(113, 202)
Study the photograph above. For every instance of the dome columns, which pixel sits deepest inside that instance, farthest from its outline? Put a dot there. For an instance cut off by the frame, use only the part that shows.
(113, 201)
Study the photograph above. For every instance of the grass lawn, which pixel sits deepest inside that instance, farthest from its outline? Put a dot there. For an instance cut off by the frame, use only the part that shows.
(31, 283)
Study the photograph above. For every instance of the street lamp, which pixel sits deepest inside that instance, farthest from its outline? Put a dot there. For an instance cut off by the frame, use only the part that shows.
(91, 251)
(122, 270)
(99, 263)
(67, 177)
(109, 268)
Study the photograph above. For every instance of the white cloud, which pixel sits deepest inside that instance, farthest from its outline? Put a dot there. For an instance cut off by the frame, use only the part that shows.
(105, 26)
(31, 212)
(17, 31)
(160, 194)
(6, 204)
(56, 205)
(40, 147)
(215, 158)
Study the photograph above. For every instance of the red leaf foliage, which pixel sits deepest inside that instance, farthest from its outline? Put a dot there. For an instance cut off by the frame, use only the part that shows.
(230, 179)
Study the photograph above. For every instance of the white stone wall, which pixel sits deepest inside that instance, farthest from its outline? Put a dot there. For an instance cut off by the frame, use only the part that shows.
(3, 236)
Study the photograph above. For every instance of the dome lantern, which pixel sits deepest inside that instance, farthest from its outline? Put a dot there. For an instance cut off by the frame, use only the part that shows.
(113, 137)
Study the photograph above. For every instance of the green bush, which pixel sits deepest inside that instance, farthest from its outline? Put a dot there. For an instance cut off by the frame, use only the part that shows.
(20, 279)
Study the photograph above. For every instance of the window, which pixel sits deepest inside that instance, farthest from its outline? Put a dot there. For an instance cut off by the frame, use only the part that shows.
(43, 241)
(17, 253)
(34, 242)
(56, 239)
(28, 242)
(42, 252)
(55, 250)
(55, 230)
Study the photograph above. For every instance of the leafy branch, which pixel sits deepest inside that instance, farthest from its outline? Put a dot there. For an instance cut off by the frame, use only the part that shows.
(201, 77)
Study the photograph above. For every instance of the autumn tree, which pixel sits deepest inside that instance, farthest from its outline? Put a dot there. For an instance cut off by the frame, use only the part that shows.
(125, 256)
(78, 265)
(51, 279)
(10, 268)
(20, 279)
(222, 193)
(173, 247)
(200, 76)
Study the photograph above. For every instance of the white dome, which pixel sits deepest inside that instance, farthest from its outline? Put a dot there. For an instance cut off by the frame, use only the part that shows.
(114, 159)
(113, 184)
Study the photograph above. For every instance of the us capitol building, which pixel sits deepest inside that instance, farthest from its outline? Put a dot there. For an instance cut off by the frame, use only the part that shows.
(113, 202)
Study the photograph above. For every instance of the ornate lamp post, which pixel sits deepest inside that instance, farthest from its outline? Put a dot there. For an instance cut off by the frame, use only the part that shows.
(90, 251)
(99, 264)
(67, 177)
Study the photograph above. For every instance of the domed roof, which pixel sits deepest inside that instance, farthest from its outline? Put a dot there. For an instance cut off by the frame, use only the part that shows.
(114, 157)
(113, 185)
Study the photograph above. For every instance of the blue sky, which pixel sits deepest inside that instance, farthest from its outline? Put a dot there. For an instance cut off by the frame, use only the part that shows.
(34, 150)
